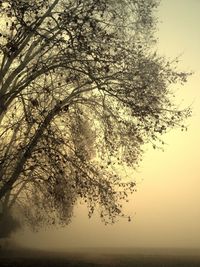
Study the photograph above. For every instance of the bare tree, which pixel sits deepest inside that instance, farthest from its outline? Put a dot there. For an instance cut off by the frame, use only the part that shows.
(81, 89)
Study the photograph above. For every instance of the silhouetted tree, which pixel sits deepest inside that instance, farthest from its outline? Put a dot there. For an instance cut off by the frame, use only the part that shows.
(81, 89)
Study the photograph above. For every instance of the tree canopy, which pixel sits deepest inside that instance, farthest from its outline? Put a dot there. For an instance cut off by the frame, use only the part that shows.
(81, 89)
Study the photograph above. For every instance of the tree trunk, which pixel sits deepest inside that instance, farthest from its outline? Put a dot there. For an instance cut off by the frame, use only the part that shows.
(8, 224)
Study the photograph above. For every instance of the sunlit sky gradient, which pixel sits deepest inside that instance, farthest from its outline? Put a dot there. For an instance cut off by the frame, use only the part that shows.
(166, 208)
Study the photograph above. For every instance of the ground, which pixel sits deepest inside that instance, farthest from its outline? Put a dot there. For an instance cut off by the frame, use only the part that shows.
(98, 258)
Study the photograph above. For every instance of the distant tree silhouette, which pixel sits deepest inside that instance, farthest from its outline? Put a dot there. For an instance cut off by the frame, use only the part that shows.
(81, 89)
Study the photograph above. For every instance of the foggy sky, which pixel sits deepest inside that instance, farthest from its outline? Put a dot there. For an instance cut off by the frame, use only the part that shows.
(165, 210)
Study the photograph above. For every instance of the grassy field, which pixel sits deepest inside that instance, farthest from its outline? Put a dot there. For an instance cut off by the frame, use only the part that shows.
(92, 258)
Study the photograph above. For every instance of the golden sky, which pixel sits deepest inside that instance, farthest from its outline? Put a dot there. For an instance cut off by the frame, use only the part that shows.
(165, 210)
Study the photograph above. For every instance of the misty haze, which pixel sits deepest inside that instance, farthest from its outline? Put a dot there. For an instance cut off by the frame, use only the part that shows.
(99, 133)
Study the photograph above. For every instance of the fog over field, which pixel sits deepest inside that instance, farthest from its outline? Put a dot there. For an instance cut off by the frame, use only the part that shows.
(165, 210)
